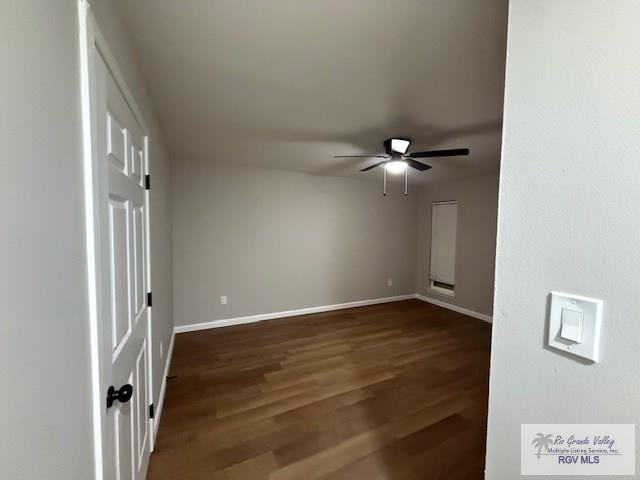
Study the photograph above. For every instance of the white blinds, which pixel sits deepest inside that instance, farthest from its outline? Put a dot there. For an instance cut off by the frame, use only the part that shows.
(444, 219)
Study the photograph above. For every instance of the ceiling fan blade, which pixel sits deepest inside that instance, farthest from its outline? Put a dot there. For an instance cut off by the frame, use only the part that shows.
(360, 156)
(418, 165)
(440, 153)
(373, 166)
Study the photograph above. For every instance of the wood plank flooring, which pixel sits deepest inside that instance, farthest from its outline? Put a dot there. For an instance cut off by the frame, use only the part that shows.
(393, 391)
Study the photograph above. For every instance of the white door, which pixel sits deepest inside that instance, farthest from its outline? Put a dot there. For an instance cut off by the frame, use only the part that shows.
(122, 203)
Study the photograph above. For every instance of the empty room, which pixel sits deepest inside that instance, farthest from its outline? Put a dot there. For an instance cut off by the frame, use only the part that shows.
(298, 240)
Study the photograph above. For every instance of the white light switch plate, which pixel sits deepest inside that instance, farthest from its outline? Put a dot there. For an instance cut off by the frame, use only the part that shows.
(582, 323)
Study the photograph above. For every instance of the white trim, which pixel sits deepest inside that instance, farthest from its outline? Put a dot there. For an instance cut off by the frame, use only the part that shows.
(163, 388)
(87, 38)
(148, 283)
(435, 273)
(227, 322)
(455, 308)
(288, 313)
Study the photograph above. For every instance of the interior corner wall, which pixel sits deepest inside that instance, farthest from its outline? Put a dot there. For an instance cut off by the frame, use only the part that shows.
(45, 381)
(569, 214)
(273, 240)
(110, 23)
(477, 199)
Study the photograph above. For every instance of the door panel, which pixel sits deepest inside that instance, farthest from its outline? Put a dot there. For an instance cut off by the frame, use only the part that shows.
(138, 263)
(142, 403)
(137, 162)
(123, 207)
(116, 143)
(123, 441)
(119, 268)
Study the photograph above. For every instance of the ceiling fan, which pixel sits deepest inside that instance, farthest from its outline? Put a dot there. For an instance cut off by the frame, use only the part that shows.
(397, 160)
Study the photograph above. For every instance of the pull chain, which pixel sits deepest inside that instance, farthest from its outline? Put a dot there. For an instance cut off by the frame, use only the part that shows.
(406, 181)
(384, 182)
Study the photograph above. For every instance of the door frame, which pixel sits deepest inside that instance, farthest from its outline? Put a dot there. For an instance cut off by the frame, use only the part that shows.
(90, 36)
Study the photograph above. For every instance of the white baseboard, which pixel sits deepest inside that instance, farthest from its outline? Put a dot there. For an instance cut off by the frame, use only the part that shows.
(455, 308)
(227, 322)
(289, 313)
(163, 388)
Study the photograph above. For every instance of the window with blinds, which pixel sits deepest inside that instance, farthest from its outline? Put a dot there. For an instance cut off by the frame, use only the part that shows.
(444, 222)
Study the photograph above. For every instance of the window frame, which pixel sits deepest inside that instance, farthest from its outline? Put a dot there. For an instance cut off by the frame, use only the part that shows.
(433, 287)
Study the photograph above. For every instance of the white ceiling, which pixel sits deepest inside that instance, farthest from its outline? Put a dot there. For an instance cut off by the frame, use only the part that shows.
(288, 83)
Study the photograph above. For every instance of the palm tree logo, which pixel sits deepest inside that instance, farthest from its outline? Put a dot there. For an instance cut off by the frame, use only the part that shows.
(542, 441)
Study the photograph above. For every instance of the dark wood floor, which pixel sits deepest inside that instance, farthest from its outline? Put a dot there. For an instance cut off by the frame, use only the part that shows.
(394, 391)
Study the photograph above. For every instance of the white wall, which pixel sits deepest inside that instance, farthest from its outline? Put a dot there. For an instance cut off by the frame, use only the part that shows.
(273, 240)
(569, 218)
(45, 393)
(477, 199)
(110, 22)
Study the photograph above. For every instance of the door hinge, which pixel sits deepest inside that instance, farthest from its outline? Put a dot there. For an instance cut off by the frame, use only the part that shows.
(147, 182)
(151, 411)
(149, 299)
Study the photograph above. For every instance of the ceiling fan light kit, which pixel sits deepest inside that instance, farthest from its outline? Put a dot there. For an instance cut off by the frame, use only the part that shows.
(397, 161)
(396, 166)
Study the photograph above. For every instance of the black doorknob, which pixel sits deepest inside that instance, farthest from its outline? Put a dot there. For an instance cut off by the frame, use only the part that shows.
(123, 394)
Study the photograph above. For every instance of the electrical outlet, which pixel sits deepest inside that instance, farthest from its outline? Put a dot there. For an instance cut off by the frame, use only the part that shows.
(223, 300)
(161, 349)
(389, 282)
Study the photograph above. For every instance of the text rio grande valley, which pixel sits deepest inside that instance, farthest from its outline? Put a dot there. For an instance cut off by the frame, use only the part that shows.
(582, 450)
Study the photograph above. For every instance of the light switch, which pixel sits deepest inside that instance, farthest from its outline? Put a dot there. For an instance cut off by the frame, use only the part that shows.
(571, 325)
(574, 324)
